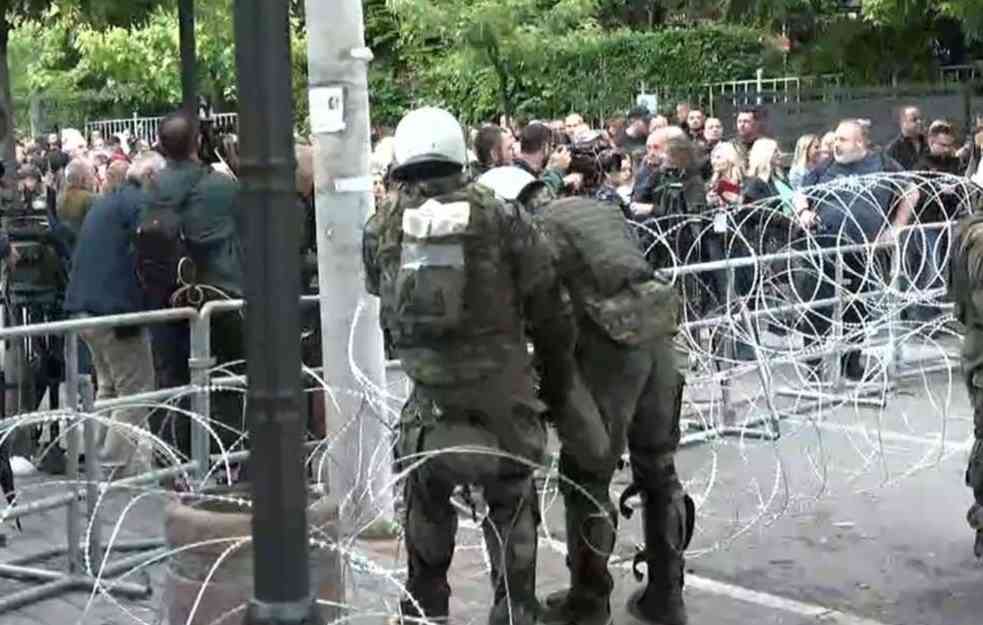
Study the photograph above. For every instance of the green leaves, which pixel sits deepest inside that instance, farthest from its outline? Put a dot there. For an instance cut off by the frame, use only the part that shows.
(592, 72)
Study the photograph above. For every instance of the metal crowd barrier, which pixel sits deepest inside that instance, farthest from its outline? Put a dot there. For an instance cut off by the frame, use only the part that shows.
(201, 361)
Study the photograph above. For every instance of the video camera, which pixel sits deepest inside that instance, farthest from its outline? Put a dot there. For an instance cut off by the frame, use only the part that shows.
(585, 160)
(212, 148)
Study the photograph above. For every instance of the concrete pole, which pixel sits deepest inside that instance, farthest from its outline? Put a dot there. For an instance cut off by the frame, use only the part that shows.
(359, 460)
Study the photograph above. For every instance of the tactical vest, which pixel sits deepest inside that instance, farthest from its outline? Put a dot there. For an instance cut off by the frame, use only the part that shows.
(609, 279)
(448, 295)
(966, 269)
(965, 281)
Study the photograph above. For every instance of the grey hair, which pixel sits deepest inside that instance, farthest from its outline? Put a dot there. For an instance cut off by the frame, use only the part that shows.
(862, 125)
(145, 168)
(79, 174)
(679, 148)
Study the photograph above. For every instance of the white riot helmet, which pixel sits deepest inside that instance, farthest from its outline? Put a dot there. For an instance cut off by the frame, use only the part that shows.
(428, 138)
(509, 183)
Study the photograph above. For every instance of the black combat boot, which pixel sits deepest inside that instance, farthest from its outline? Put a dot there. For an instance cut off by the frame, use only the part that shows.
(590, 541)
(510, 537)
(430, 590)
(668, 527)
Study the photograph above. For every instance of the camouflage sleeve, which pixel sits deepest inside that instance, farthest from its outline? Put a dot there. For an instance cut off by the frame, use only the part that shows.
(548, 312)
(554, 180)
(370, 254)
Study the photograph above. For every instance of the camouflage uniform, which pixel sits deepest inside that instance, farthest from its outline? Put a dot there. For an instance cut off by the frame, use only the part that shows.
(474, 388)
(966, 290)
(626, 321)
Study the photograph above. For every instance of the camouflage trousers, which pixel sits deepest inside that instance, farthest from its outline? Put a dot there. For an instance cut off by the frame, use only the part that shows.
(432, 438)
(974, 469)
(638, 393)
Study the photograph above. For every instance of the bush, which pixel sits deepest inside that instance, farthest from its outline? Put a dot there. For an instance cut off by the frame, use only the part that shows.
(597, 74)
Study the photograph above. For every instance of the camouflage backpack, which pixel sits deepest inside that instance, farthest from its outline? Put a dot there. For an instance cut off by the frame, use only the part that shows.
(607, 274)
(441, 263)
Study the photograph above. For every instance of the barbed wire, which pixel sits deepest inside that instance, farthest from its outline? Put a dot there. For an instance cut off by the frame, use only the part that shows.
(765, 430)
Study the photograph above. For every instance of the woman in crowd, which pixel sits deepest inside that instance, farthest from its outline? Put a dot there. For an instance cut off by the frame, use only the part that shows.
(765, 177)
(807, 154)
(616, 184)
(728, 175)
(826, 147)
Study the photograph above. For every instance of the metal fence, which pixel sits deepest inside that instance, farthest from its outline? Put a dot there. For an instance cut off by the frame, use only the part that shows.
(144, 127)
(201, 362)
(762, 90)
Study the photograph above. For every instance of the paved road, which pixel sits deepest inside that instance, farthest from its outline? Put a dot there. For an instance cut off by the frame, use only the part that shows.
(855, 518)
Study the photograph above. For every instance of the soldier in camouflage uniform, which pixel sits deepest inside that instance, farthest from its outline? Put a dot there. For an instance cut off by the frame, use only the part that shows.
(966, 291)
(461, 276)
(626, 322)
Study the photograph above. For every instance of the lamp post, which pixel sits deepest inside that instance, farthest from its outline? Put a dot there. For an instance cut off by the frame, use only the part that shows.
(189, 62)
(276, 424)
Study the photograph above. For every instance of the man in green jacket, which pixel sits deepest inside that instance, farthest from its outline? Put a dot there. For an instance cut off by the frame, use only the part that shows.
(207, 203)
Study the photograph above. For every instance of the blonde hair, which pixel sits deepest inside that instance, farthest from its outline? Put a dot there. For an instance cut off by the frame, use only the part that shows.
(759, 160)
(736, 171)
(801, 158)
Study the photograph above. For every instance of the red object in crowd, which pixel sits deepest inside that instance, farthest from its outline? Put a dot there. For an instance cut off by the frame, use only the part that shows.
(119, 156)
(726, 186)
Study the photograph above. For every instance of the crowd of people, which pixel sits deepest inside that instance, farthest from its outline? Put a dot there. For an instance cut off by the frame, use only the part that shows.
(698, 196)
(537, 220)
(102, 200)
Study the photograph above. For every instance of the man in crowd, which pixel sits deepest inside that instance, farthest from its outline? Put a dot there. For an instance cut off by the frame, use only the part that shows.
(713, 133)
(493, 147)
(205, 202)
(939, 201)
(695, 124)
(669, 182)
(909, 146)
(103, 281)
(852, 212)
(537, 156)
(682, 116)
(636, 135)
(472, 372)
(574, 126)
(748, 131)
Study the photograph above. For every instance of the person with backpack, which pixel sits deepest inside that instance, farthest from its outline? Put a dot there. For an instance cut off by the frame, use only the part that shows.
(189, 251)
(103, 281)
(462, 278)
(626, 322)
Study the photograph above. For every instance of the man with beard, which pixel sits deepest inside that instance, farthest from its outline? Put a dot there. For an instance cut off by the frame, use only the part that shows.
(854, 210)
(493, 146)
(635, 136)
(748, 131)
(926, 246)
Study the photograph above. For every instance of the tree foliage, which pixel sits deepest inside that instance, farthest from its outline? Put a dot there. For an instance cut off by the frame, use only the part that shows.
(135, 66)
(502, 35)
(597, 73)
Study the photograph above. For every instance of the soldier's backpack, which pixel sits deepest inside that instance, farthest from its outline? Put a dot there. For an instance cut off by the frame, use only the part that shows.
(432, 269)
(615, 288)
(162, 256)
(448, 286)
